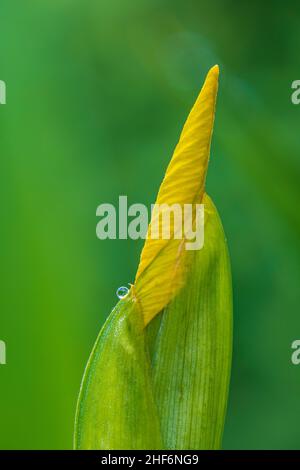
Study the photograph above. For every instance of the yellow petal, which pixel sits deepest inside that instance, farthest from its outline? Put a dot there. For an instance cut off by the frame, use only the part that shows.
(161, 271)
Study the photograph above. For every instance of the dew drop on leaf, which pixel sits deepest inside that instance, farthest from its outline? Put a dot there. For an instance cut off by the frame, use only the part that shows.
(122, 292)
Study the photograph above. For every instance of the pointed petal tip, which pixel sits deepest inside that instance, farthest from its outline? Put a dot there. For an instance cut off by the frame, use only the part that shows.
(215, 70)
(162, 262)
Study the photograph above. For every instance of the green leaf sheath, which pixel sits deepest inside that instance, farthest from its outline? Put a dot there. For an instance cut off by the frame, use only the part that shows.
(166, 386)
(191, 349)
(116, 409)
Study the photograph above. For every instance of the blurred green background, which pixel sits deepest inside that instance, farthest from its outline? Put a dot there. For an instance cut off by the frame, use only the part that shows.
(97, 93)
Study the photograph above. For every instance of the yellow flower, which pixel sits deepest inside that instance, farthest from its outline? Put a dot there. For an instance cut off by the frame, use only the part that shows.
(161, 271)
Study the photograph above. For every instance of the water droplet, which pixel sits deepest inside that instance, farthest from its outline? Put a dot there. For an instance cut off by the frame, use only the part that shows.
(122, 292)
